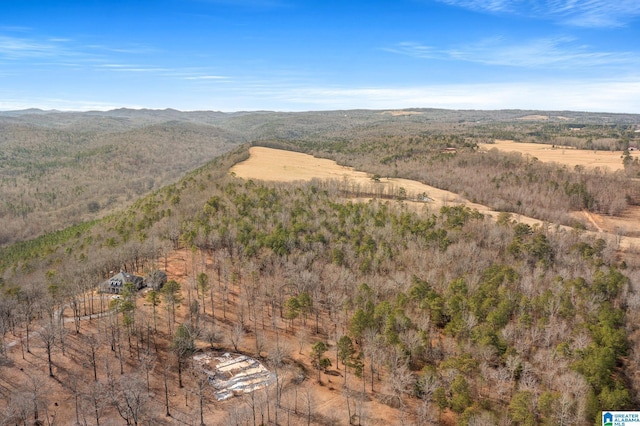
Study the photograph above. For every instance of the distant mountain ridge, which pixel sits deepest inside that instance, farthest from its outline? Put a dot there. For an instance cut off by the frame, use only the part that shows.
(447, 114)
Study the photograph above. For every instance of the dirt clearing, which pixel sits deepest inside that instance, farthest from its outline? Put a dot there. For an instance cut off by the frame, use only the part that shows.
(233, 374)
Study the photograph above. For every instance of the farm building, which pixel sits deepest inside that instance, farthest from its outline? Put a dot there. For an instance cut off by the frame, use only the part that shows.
(116, 282)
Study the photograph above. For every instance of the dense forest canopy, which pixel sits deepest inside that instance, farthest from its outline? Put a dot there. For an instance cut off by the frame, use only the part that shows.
(442, 315)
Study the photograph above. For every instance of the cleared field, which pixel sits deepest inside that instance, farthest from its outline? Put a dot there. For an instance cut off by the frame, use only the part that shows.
(401, 113)
(609, 160)
(286, 166)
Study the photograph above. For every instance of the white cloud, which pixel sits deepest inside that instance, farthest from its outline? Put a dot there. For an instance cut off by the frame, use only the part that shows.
(14, 29)
(57, 50)
(206, 77)
(594, 13)
(17, 47)
(483, 5)
(602, 96)
(192, 74)
(134, 49)
(557, 53)
(140, 69)
(581, 13)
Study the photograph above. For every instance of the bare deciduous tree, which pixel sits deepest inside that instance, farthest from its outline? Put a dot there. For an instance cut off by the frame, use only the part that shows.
(47, 335)
(95, 396)
(129, 397)
(236, 336)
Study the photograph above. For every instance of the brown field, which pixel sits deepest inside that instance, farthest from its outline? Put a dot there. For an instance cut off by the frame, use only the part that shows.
(534, 117)
(626, 224)
(401, 113)
(541, 117)
(606, 160)
(286, 166)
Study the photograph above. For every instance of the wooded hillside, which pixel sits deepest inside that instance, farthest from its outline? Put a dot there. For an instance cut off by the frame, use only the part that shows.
(60, 169)
(435, 316)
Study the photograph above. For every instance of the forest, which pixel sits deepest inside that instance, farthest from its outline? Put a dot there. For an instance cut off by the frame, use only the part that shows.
(59, 169)
(368, 311)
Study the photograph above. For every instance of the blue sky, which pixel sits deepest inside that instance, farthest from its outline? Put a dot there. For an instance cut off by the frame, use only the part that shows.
(288, 55)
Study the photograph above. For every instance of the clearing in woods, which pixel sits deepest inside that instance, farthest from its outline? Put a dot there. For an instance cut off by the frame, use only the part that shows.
(276, 165)
(565, 155)
(628, 223)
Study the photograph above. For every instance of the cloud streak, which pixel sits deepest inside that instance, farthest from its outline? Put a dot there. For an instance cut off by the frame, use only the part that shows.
(557, 53)
(206, 77)
(189, 74)
(596, 96)
(58, 52)
(580, 13)
(60, 49)
(19, 47)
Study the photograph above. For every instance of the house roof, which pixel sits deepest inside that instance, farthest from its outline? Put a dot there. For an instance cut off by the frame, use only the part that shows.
(125, 277)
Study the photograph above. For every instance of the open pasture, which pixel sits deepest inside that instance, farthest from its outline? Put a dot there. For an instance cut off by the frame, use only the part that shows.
(569, 156)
